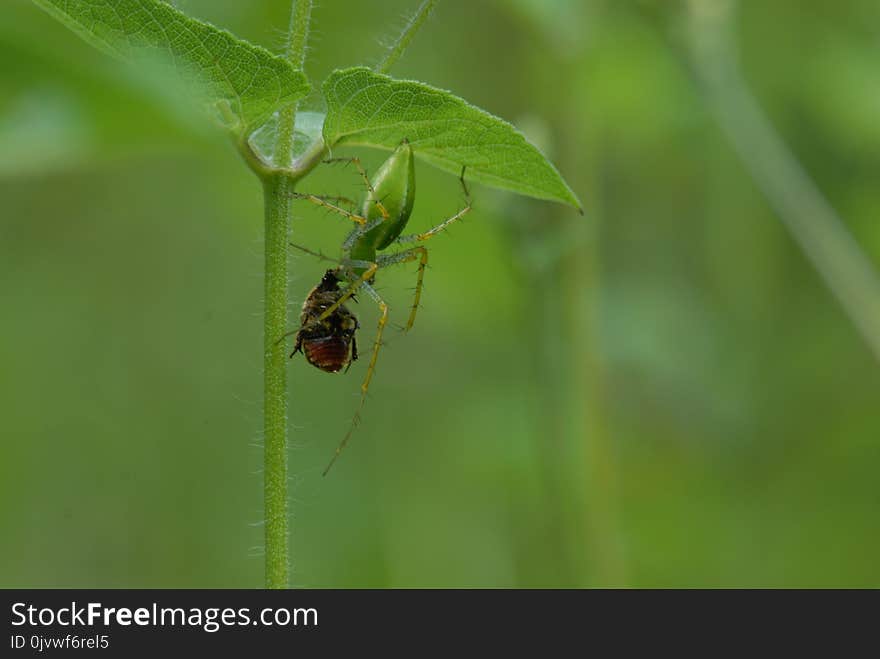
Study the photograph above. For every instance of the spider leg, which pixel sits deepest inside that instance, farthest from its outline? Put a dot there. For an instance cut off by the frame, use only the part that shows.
(320, 200)
(405, 256)
(319, 255)
(359, 231)
(298, 347)
(284, 336)
(430, 233)
(355, 282)
(365, 385)
(351, 203)
(363, 172)
(421, 253)
(354, 351)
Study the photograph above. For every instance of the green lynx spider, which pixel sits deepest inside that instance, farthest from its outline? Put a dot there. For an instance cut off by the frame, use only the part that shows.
(385, 213)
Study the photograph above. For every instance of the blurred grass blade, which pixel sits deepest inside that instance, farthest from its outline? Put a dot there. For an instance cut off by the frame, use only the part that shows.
(244, 79)
(370, 109)
(806, 213)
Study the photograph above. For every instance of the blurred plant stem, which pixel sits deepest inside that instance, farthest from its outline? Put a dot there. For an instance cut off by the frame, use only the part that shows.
(587, 402)
(559, 257)
(801, 207)
(412, 26)
(277, 189)
(594, 464)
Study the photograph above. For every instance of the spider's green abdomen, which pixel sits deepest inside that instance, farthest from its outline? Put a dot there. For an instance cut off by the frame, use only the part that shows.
(394, 187)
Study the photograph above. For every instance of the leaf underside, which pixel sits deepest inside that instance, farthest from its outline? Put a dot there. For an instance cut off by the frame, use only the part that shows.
(370, 109)
(248, 79)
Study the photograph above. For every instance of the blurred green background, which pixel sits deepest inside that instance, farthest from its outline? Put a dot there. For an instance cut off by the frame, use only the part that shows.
(659, 393)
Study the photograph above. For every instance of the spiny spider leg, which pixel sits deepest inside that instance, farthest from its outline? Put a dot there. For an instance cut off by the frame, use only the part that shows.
(404, 257)
(365, 385)
(363, 172)
(323, 257)
(430, 233)
(421, 253)
(319, 255)
(339, 200)
(433, 231)
(319, 200)
(358, 232)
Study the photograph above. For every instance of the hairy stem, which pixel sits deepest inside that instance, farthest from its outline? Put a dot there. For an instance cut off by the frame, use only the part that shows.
(277, 189)
(298, 32)
(405, 37)
(297, 37)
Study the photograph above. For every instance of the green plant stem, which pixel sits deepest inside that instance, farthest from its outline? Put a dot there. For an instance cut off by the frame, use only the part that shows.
(405, 37)
(277, 189)
(298, 32)
(297, 38)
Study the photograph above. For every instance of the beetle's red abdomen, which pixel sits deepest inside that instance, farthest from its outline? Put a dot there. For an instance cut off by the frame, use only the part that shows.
(330, 354)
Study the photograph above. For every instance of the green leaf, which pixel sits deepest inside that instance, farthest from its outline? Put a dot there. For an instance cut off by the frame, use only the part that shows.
(239, 77)
(370, 109)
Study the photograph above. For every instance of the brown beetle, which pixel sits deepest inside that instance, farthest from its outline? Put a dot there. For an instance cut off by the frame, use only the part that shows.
(328, 344)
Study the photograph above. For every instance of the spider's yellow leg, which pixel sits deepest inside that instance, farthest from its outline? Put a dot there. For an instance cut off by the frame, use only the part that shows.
(365, 385)
(405, 256)
(433, 231)
(319, 255)
(363, 172)
(354, 284)
(430, 233)
(323, 202)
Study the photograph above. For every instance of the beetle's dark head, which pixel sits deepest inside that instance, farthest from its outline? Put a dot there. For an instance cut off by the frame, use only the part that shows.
(329, 282)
